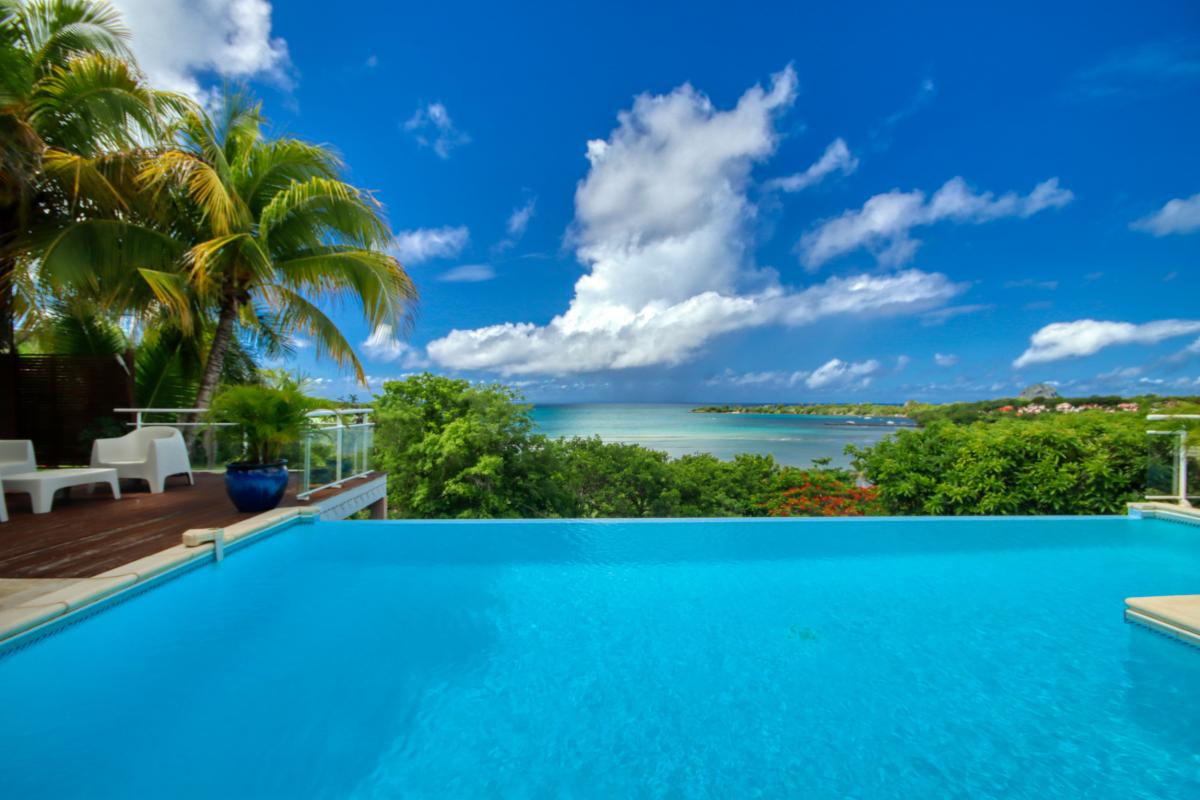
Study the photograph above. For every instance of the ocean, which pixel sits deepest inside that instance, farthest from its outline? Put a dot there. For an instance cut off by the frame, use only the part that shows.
(792, 439)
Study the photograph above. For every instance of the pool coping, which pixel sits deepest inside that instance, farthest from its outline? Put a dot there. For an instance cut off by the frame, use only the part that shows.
(43, 614)
(1177, 616)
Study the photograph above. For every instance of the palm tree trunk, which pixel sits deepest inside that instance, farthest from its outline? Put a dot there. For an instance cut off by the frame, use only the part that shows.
(216, 353)
(216, 358)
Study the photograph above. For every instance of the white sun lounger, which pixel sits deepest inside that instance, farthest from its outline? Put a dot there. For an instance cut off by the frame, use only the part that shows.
(42, 484)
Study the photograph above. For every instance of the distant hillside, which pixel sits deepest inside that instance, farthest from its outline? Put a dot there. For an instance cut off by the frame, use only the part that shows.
(964, 413)
(1038, 390)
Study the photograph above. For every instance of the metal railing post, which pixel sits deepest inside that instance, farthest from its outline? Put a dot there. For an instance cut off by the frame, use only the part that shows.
(337, 475)
(1181, 473)
(307, 479)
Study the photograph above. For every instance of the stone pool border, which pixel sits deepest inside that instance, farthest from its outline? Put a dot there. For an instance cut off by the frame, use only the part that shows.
(1177, 616)
(44, 614)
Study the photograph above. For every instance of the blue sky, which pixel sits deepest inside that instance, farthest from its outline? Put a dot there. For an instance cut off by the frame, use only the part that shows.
(682, 202)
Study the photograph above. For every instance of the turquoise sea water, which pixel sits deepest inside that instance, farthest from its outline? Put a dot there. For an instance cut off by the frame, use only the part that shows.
(873, 659)
(794, 440)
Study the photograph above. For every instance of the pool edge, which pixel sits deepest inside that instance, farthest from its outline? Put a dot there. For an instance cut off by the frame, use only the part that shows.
(44, 615)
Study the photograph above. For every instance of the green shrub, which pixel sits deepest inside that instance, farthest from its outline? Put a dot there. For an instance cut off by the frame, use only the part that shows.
(1087, 463)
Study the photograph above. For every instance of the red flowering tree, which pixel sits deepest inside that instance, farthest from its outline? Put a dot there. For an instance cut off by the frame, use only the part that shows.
(826, 493)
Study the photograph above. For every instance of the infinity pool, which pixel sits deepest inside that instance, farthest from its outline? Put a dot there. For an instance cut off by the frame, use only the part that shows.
(919, 658)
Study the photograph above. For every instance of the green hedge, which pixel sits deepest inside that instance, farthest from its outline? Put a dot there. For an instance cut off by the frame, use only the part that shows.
(1087, 463)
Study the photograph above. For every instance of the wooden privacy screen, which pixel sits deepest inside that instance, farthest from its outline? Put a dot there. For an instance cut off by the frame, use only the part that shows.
(62, 402)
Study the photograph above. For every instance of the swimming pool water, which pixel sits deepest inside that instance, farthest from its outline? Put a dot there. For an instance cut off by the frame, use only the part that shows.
(813, 658)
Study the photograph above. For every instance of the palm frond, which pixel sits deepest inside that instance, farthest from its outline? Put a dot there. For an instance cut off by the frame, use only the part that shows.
(171, 290)
(83, 330)
(217, 205)
(275, 165)
(331, 203)
(55, 31)
(94, 103)
(103, 253)
(104, 181)
(167, 368)
(297, 314)
(374, 279)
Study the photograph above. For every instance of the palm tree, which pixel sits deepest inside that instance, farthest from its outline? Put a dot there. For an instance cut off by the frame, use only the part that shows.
(252, 230)
(71, 102)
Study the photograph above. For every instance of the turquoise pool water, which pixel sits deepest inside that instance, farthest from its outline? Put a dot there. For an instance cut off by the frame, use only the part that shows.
(815, 658)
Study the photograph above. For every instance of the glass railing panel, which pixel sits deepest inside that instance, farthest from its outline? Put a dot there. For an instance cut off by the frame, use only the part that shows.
(1161, 462)
(1193, 473)
(319, 459)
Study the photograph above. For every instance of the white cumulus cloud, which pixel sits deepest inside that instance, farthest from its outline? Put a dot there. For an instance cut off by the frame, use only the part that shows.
(943, 315)
(838, 373)
(769, 377)
(424, 244)
(662, 224)
(432, 127)
(518, 220)
(468, 273)
(945, 359)
(833, 374)
(180, 42)
(836, 158)
(884, 223)
(1177, 216)
(1084, 337)
(383, 345)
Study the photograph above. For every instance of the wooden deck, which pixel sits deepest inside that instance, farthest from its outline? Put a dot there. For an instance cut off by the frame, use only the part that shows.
(87, 534)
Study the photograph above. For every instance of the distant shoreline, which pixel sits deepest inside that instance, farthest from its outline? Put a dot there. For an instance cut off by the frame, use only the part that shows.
(860, 410)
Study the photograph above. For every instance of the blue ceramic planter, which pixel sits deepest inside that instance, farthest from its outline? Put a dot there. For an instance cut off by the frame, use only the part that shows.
(256, 487)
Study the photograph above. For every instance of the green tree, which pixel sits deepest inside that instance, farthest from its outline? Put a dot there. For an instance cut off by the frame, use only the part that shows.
(615, 480)
(453, 449)
(73, 108)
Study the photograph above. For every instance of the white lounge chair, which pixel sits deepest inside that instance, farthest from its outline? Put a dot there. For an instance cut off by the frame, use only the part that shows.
(3, 506)
(16, 455)
(151, 454)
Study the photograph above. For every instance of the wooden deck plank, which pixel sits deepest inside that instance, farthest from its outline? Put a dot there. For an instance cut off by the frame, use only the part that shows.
(87, 534)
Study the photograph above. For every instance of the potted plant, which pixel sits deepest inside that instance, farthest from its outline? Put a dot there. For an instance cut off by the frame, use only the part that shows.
(270, 419)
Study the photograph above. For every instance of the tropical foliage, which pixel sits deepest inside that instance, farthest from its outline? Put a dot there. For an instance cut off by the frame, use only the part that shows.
(269, 419)
(74, 113)
(453, 449)
(207, 239)
(1087, 463)
(250, 232)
